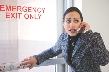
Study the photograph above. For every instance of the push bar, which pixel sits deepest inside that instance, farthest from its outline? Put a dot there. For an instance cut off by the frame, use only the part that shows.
(17, 65)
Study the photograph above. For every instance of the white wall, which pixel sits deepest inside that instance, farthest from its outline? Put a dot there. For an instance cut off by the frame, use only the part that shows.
(8, 36)
(96, 13)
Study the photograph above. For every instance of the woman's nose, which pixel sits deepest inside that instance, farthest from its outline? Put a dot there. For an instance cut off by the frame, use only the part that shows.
(72, 24)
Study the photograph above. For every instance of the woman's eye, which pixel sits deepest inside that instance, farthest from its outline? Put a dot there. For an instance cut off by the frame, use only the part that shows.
(76, 21)
(68, 21)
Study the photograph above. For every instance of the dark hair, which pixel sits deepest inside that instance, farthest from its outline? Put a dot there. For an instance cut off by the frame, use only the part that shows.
(72, 9)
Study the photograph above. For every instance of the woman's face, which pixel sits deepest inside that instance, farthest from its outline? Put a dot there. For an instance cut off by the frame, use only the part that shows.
(72, 23)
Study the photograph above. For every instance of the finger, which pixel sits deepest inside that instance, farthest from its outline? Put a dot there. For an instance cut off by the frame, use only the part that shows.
(31, 66)
(26, 59)
(25, 63)
(85, 24)
(82, 23)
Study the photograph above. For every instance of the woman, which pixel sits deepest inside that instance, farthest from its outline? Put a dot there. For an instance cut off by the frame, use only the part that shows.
(82, 49)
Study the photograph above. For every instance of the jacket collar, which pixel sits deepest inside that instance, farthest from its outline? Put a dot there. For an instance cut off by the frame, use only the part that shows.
(77, 45)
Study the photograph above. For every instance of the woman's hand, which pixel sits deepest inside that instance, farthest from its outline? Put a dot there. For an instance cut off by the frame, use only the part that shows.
(86, 25)
(31, 60)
